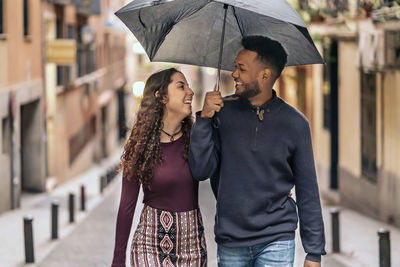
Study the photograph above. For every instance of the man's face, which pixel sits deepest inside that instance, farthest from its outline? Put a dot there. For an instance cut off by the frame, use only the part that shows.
(247, 74)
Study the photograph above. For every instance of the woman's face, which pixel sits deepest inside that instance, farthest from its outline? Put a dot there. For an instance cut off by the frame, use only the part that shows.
(179, 101)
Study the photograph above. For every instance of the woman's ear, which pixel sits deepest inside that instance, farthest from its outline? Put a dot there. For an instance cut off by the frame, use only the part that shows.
(164, 100)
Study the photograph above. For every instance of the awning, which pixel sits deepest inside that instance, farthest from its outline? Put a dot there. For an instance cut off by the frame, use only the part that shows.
(61, 2)
(89, 7)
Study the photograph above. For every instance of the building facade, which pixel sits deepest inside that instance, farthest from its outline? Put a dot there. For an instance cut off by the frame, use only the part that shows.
(355, 100)
(22, 102)
(82, 92)
(62, 75)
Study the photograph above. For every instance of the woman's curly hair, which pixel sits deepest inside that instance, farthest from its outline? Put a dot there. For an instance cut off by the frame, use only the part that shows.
(142, 151)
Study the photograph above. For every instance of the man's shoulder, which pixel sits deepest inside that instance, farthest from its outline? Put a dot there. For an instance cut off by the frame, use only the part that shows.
(230, 98)
(231, 102)
(293, 114)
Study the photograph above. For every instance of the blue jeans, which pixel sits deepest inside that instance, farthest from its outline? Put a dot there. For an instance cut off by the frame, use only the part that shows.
(275, 254)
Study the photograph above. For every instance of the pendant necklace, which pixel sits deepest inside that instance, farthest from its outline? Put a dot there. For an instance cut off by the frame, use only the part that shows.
(172, 136)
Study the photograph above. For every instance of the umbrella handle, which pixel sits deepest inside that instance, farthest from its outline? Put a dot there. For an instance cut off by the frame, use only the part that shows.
(221, 48)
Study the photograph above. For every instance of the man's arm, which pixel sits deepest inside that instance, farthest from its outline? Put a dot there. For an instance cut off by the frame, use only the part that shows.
(307, 197)
(203, 155)
(203, 151)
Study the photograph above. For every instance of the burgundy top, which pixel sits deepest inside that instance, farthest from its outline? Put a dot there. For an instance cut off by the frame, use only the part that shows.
(172, 189)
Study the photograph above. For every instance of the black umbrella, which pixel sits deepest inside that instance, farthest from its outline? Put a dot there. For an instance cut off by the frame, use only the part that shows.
(209, 32)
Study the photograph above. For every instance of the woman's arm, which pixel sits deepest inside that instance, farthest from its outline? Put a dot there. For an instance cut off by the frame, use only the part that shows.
(127, 205)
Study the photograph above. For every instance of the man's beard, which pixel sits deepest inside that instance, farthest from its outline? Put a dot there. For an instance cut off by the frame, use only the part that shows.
(251, 90)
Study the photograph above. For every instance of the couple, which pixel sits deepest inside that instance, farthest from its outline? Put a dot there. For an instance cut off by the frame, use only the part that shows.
(259, 149)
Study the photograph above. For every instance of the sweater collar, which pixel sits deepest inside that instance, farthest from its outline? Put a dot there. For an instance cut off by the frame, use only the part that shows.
(270, 105)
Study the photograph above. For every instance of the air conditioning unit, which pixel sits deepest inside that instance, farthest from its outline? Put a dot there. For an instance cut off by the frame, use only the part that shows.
(392, 48)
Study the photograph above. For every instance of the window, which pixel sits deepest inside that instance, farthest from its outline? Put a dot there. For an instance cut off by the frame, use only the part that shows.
(70, 31)
(1, 17)
(26, 18)
(368, 125)
(6, 135)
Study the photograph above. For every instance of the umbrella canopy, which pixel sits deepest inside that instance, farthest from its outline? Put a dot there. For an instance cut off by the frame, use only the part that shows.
(189, 31)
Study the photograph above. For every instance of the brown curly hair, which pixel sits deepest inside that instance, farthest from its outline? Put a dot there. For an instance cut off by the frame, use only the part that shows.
(142, 151)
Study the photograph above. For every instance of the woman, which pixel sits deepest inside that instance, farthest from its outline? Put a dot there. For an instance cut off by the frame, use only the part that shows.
(170, 231)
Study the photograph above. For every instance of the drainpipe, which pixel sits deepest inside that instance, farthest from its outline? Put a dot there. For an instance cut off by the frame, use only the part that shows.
(12, 147)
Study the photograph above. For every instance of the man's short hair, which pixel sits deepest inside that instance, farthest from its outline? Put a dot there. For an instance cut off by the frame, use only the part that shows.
(270, 52)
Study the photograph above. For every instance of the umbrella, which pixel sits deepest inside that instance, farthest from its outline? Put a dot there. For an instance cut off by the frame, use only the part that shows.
(209, 32)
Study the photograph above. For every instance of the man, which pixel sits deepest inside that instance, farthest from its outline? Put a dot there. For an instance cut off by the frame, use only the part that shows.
(257, 149)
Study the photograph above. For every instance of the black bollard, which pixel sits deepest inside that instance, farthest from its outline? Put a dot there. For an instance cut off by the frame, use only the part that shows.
(384, 247)
(103, 181)
(101, 184)
(115, 171)
(83, 198)
(54, 220)
(28, 236)
(109, 174)
(335, 230)
(71, 207)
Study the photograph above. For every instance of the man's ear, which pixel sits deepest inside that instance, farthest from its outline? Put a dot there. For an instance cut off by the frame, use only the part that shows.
(266, 73)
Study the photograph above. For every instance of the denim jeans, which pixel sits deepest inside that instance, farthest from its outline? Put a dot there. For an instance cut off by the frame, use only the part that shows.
(275, 254)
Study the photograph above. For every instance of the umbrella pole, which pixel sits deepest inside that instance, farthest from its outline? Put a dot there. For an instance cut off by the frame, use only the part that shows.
(221, 48)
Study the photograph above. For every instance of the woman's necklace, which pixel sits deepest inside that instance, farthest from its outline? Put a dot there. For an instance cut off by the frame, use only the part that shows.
(172, 136)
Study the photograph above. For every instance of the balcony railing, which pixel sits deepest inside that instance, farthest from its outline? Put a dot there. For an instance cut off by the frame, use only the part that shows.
(86, 58)
(88, 6)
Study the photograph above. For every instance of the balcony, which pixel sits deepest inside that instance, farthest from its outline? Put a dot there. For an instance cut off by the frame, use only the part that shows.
(87, 7)
(86, 58)
(60, 2)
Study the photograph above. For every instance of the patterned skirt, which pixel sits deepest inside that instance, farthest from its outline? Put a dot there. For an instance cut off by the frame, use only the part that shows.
(166, 239)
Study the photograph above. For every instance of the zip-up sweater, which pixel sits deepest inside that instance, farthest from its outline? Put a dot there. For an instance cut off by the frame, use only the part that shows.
(254, 156)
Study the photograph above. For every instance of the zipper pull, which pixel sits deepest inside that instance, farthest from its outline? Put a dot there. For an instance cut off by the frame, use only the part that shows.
(260, 114)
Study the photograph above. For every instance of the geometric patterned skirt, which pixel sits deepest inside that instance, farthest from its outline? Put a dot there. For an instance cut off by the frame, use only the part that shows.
(167, 239)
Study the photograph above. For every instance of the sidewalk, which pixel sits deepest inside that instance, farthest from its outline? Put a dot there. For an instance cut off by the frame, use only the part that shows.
(359, 239)
(38, 206)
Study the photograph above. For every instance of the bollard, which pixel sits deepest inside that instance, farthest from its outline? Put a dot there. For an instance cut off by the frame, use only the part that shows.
(335, 230)
(109, 174)
(101, 184)
(54, 220)
(71, 207)
(103, 179)
(28, 236)
(384, 247)
(115, 171)
(83, 198)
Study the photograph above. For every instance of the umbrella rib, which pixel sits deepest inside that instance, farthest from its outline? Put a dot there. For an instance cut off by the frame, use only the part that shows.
(140, 19)
(237, 21)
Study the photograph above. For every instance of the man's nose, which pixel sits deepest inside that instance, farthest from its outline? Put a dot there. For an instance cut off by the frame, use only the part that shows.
(235, 74)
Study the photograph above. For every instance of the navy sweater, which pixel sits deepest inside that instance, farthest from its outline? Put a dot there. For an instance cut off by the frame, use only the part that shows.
(253, 162)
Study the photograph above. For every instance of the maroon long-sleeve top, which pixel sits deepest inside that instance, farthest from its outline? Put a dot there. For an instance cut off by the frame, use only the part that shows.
(172, 188)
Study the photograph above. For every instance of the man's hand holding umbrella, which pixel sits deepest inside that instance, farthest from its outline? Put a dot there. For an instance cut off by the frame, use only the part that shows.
(212, 103)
